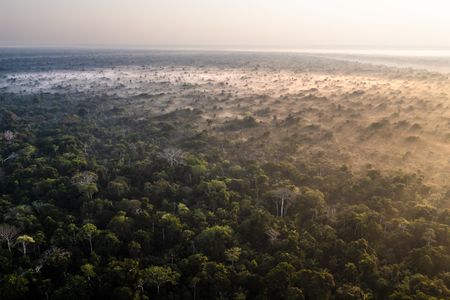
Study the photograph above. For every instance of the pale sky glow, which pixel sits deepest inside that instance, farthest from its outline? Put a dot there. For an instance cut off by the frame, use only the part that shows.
(227, 23)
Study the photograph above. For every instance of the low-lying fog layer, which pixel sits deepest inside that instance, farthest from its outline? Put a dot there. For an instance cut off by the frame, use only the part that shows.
(357, 114)
(429, 63)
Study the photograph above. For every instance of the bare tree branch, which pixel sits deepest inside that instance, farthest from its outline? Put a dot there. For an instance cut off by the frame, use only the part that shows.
(8, 233)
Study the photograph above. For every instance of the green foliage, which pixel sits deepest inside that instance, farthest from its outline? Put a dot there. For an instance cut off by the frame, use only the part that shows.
(120, 207)
(159, 276)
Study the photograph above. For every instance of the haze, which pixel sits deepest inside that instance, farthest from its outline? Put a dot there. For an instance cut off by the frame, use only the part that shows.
(231, 23)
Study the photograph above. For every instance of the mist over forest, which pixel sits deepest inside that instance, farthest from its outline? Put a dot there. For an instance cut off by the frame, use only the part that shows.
(186, 174)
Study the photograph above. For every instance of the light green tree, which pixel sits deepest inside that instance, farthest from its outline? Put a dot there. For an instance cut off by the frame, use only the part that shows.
(88, 270)
(24, 240)
(157, 275)
(233, 254)
(88, 232)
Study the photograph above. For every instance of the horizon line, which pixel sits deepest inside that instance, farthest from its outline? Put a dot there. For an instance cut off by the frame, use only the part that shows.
(340, 50)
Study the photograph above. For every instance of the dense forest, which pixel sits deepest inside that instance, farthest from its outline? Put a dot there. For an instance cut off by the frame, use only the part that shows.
(103, 202)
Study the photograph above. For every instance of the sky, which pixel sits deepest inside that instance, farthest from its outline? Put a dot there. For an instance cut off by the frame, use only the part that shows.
(226, 23)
